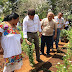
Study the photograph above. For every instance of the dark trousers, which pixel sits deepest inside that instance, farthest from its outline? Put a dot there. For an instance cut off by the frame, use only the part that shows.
(34, 37)
(53, 40)
(66, 28)
(48, 41)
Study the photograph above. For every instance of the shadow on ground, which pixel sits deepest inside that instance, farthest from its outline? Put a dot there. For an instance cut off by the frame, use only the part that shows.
(58, 56)
(61, 44)
(42, 68)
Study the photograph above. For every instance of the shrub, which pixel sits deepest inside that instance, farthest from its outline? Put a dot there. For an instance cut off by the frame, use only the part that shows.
(64, 33)
(67, 58)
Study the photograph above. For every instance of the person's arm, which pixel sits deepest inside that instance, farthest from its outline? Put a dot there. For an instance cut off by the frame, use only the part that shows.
(1, 31)
(63, 23)
(55, 34)
(56, 20)
(42, 24)
(29, 43)
(21, 40)
(0, 40)
(39, 25)
(55, 30)
(25, 32)
(1, 49)
(67, 23)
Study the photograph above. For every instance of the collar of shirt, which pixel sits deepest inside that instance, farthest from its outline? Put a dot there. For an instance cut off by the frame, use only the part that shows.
(29, 18)
(60, 18)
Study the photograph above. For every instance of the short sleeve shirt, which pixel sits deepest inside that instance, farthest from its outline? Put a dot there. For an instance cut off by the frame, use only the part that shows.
(61, 22)
(10, 40)
(48, 27)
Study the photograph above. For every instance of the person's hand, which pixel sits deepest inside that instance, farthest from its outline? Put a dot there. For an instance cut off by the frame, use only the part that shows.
(1, 50)
(29, 43)
(40, 34)
(21, 40)
(55, 37)
(57, 22)
(61, 28)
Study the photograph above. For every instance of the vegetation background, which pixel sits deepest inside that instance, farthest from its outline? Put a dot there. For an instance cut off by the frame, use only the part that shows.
(41, 6)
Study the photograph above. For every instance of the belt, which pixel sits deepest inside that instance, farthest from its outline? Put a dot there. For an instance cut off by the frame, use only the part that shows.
(32, 32)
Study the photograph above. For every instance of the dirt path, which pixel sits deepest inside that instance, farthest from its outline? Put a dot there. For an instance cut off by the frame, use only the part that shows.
(47, 66)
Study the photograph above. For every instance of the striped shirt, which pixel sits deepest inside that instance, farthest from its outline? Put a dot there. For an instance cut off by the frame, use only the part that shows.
(60, 21)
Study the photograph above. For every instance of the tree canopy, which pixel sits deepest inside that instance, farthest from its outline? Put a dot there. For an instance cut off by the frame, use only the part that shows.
(41, 7)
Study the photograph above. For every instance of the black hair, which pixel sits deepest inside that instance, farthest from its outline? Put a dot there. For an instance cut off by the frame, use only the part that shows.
(31, 12)
(9, 17)
(62, 13)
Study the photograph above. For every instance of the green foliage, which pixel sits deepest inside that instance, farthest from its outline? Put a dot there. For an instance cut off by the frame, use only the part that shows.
(64, 33)
(21, 32)
(67, 58)
(19, 28)
(28, 49)
(66, 66)
(21, 7)
(1, 19)
(42, 10)
(7, 6)
(30, 54)
(70, 40)
(70, 16)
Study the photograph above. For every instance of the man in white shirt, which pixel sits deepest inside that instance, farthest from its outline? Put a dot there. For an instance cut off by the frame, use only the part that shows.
(31, 25)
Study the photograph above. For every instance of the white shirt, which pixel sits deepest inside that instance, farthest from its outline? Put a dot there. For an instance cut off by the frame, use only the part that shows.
(11, 45)
(66, 23)
(61, 21)
(31, 25)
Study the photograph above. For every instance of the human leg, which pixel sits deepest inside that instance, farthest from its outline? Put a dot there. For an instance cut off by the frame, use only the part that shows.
(57, 39)
(42, 44)
(49, 43)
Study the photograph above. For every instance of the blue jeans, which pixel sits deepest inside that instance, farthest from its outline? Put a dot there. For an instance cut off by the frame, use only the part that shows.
(57, 39)
(48, 40)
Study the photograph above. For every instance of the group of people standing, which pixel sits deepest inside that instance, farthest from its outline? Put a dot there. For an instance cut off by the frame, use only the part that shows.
(49, 30)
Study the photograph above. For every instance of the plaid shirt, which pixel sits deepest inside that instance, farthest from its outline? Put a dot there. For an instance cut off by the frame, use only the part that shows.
(61, 22)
